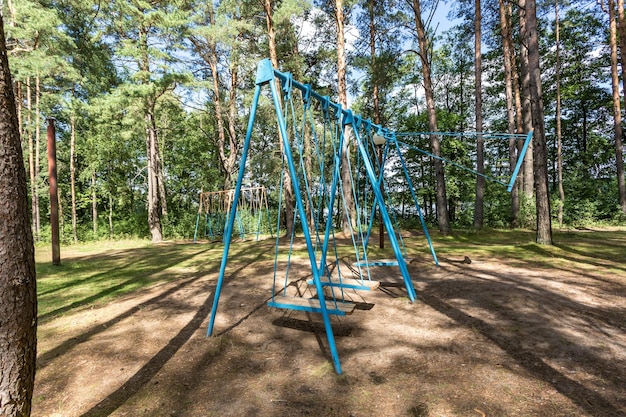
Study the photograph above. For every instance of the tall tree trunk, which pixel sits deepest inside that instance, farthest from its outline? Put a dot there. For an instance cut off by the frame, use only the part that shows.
(232, 121)
(510, 111)
(480, 146)
(517, 90)
(617, 115)
(527, 119)
(73, 175)
(622, 42)
(154, 214)
(31, 156)
(559, 156)
(19, 103)
(287, 184)
(342, 91)
(544, 220)
(18, 293)
(110, 214)
(158, 163)
(621, 28)
(375, 89)
(154, 218)
(442, 201)
(207, 49)
(94, 205)
(37, 214)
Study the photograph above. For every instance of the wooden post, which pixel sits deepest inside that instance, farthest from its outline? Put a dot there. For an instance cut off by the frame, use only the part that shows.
(54, 199)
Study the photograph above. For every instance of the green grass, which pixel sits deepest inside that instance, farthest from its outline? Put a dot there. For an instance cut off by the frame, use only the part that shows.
(96, 272)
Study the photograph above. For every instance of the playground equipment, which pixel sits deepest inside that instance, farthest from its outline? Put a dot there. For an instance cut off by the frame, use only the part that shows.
(316, 137)
(252, 214)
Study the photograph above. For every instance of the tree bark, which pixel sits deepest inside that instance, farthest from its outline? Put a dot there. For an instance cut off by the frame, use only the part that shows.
(287, 184)
(231, 161)
(375, 89)
(527, 118)
(94, 205)
(480, 145)
(617, 115)
(110, 215)
(73, 175)
(544, 220)
(18, 295)
(441, 200)
(342, 91)
(154, 218)
(510, 111)
(37, 214)
(31, 155)
(559, 138)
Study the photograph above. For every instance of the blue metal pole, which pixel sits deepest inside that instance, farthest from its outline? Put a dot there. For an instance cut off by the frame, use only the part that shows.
(385, 215)
(231, 220)
(305, 228)
(417, 204)
(520, 159)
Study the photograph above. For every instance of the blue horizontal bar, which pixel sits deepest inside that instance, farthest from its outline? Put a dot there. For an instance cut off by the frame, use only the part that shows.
(287, 306)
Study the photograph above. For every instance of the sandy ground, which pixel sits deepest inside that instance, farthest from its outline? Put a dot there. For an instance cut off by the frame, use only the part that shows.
(489, 338)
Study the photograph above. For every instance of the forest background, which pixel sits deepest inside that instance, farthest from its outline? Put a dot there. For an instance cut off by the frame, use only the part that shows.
(151, 100)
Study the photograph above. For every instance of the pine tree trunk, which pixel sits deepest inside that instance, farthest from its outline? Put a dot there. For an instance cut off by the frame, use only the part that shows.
(207, 49)
(154, 219)
(158, 163)
(441, 200)
(527, 118)
(617, 116)
(110, 215)
(342, 91)
(94, 205)
(73, 176)
(510, 111)
(559, 156)
(287, 181)
(231, 161)
(31, 157)
(544, 220)
(480, 157)
(375, 89)
(37, 215)
(18, 295)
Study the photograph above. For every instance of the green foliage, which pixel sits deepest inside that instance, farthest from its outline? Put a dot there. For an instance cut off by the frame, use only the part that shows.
(103, 65)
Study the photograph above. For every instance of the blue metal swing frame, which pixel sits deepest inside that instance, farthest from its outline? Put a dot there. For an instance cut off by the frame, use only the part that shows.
(266, 74)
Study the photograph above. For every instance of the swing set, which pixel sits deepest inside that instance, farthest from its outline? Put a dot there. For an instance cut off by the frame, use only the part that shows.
(336, 200)
(252, 214)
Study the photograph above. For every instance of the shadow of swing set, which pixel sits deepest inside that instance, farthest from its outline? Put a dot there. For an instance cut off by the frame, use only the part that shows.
(315, 134)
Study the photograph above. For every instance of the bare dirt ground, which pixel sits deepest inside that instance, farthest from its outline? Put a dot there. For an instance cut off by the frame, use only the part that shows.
(494, 337)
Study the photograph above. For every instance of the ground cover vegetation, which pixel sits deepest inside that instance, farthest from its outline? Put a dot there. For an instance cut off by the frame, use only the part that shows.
(151, 101)
(503, 326)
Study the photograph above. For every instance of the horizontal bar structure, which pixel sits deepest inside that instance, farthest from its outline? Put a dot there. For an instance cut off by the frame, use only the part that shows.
(485, 135)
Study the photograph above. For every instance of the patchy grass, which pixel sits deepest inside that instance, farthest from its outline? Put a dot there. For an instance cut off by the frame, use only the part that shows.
(523, 329)
(94, 273)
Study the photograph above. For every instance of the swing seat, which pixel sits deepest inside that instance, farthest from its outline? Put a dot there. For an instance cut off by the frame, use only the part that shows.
(381, 262)
(312, 305)
(348, 283)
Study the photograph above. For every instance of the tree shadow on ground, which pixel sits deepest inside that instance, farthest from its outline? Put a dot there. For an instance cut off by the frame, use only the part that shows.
(523, 305)
(133, 385)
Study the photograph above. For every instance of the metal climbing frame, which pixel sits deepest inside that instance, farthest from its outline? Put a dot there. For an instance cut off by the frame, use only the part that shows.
(215, 207)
